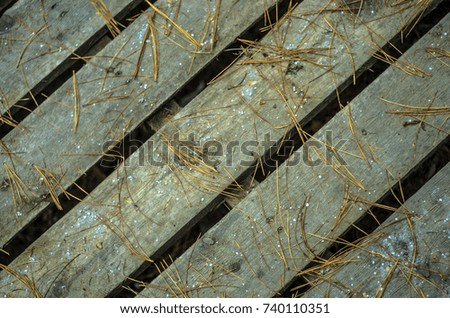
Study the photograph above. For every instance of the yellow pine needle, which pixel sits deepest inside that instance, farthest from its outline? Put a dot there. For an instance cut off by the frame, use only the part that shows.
(103, 12)
(188, 36)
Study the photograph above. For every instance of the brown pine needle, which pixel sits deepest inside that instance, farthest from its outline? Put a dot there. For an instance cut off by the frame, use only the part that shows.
(23, 279)
(224, 72)
(276, 54)
(410, 110)
(175, 17)
(24, 49)
(380, 291)
(347, 48)
(216, 22)
(439, 54)
(76, 106)
(188, 36)
(53, 183)
(279, 22)
(402, 65)
(103, 11)
(119, 232)
(142, 49)
(155, 47)
(420, 7)
(19, 190)
(8, 120)
(362, 151)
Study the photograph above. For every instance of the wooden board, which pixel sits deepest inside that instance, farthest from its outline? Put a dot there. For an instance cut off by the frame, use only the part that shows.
(149, 205)
(382, 265)
(111, 104)
(42, 35)
(297, 212)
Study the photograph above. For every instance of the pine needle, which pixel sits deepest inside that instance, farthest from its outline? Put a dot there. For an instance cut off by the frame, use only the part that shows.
(19, 190)
(188, 36)
(402, 65)
(155, 47)
(103, 11)
(216, 22)
(347, 48)
(53, 183)
(76, 106)
(142, 50)
(23, 279)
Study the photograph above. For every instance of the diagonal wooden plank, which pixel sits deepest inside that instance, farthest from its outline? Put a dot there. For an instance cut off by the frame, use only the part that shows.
(38, 37)
(111, 103)
(381, 266)
(151, 203)
(298, 211)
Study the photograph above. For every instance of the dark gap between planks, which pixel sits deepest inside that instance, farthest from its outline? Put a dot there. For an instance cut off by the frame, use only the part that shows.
(410, 184)
(5, 5)
(63, 71)
(367, 74)
(130, 143)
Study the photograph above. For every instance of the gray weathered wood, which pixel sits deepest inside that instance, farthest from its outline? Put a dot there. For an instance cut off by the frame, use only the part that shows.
(43, 34)
(296, 213)
(152, 203)
(110, 108)
(381, 266)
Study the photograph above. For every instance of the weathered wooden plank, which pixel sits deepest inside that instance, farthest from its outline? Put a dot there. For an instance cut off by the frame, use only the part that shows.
(298, 211)
(41, 35)
(382, 265)
(149, 204)
(111, 105)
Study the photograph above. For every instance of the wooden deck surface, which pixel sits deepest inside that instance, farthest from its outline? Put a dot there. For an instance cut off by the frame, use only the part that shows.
(281, 225)
(114, 103)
